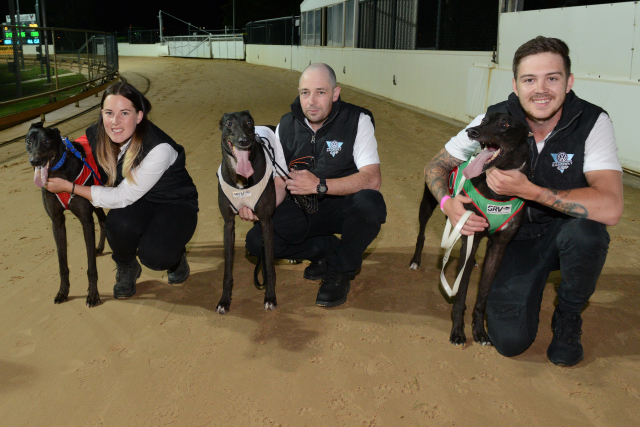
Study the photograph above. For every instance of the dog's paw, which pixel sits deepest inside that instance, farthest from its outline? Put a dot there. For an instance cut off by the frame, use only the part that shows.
(93, 300)
(61, 297)
(414, 266)
(223, 307)
(482, 338)
(458, 338)
(270, 302)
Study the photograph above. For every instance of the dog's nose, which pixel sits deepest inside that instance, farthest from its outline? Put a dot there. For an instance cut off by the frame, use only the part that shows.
(34, 162)
(473, 133)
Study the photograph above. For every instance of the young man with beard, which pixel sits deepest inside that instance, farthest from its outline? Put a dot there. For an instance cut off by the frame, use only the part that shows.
(335, 142)
(572, 191)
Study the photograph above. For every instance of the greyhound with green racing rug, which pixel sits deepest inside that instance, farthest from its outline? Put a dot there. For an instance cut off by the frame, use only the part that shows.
(502, 139)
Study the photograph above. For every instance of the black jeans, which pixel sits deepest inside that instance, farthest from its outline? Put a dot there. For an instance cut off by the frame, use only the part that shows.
(357, 217)
(156, 232)
(576, 247)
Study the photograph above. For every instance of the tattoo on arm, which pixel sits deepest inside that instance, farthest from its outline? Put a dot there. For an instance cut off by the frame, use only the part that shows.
(437, 173)
(556, 199)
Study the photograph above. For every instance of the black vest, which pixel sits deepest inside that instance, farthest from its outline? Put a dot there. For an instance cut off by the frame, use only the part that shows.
(560, 164)
(331, 146)
(175, 184)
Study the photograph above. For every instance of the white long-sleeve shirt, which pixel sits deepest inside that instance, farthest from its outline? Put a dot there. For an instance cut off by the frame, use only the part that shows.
(146, 175)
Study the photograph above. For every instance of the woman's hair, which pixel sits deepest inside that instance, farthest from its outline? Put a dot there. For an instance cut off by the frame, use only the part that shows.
(106, 150)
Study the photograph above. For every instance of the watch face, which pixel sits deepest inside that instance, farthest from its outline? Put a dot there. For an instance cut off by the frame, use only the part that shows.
(322, 188)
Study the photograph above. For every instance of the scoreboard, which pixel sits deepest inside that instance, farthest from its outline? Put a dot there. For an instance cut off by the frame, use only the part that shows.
(27, 36)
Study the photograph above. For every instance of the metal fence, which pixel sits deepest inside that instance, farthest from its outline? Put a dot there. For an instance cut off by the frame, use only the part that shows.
(278, 31)
(230, 46)
(41, 65)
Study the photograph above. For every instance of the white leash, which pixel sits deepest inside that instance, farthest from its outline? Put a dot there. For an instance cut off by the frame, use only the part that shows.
(449, 239)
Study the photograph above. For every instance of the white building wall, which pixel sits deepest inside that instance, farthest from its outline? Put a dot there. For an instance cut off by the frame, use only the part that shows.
(126, 49)
(460, 85)
(435, 80)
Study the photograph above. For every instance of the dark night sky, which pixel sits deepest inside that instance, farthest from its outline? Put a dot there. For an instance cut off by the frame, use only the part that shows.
(118, 15)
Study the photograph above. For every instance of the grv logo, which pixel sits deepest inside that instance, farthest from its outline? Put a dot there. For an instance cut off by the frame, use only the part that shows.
(498, 210)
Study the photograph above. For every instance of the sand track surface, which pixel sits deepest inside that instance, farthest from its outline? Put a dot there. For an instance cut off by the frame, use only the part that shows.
(165, 357)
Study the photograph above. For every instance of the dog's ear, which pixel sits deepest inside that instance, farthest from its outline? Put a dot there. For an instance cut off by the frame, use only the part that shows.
(247, 111)
(223, 120)
(36, 125)
(56, 132)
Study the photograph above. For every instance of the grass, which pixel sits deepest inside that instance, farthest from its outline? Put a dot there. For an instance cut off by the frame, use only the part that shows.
(27, 73)
(37, 86)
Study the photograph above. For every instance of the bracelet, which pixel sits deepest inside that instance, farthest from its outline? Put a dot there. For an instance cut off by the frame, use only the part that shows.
(444, 199)
(73, 188)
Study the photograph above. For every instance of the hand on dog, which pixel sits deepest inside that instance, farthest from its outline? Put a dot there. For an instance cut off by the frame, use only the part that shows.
(302, 182)
(454, 209)
(507, 182)
(58, 185)
(247, 214)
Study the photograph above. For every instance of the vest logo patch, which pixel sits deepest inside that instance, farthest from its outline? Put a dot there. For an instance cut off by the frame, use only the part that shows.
(561, 161)
(498, 209)
(334, 147)
(241, 194)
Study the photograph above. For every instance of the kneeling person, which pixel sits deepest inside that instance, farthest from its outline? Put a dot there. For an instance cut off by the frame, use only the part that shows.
(335, 143)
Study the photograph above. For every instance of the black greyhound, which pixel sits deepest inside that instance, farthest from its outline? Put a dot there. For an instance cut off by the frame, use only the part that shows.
(246, 172)
(46, 151)
(503, 140)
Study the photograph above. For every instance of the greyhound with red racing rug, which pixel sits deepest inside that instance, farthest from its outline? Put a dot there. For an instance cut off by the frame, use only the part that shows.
(54, 156)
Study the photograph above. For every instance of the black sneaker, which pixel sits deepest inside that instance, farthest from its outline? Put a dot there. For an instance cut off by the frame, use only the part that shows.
(126, 277)
(566, 347)
(317, 269)
(334, 289)
(181, 272)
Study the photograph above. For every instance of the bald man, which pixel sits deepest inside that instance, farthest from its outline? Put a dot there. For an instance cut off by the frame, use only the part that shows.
(329, 151)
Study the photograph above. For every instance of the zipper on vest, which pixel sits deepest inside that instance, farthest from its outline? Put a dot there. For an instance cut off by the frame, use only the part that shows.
(546, 146)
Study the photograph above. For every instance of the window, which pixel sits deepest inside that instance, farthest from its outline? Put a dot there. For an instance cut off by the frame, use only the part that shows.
(334, 25)
(349, 23)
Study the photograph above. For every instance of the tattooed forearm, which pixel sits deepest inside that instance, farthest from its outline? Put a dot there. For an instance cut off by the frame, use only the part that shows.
(556, 199)
(436, 174)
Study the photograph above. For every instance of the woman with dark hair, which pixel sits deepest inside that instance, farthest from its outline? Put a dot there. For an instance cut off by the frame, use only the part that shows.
(152, 199)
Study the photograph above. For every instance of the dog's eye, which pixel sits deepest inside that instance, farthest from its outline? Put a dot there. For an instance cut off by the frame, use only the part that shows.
(229, 123)
(504, 125)
(249, 122)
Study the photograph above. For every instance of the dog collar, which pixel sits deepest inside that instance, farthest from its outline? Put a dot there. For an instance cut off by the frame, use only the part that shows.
(60, 163)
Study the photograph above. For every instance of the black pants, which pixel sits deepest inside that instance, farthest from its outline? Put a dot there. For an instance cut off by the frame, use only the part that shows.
(576, 247)
(156, 232)
(357, 217)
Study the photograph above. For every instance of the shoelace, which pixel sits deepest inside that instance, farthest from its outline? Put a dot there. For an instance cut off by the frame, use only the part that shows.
(568, 329)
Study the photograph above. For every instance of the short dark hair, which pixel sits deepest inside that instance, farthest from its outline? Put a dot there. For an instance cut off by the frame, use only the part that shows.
(542, 44)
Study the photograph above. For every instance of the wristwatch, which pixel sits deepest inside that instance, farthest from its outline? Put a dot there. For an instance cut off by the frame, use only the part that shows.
(322, 188)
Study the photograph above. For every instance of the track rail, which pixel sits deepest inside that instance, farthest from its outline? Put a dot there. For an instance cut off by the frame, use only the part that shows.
(81, 114)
